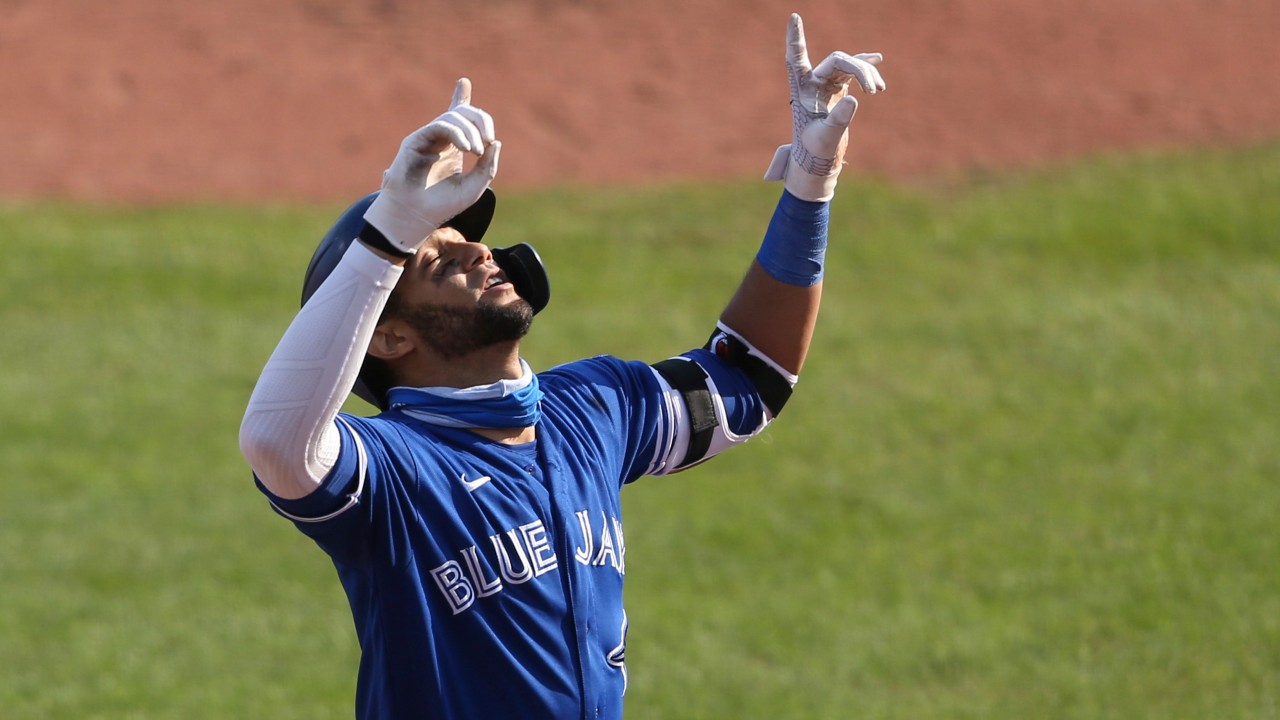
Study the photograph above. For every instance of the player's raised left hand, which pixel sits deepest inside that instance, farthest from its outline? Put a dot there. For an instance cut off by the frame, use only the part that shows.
(426, 185)
(821, 110)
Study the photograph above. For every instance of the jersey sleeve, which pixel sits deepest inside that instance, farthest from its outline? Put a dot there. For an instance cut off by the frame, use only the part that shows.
(331, 515)
(608, 413)
(627, 414)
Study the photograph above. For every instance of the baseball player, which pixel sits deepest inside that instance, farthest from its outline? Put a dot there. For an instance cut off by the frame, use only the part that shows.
(475, 522)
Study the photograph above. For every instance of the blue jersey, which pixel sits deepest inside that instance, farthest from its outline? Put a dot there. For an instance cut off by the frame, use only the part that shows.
(485, 579)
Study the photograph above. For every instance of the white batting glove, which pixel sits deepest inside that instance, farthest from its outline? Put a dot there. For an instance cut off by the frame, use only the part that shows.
(821, 110)
(425, 186)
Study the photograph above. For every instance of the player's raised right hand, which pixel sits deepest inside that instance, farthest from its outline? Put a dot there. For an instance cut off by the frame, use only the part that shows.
(426, 185)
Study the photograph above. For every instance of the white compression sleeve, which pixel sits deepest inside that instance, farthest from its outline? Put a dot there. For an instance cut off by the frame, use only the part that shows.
(288, 434)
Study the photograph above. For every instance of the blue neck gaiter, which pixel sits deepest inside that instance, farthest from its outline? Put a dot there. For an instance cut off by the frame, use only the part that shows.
(504, 404)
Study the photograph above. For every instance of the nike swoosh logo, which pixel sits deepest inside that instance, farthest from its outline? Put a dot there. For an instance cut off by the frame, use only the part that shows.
(471, 485)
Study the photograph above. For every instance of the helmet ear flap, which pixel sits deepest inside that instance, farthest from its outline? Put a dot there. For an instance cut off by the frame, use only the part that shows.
(526, 271)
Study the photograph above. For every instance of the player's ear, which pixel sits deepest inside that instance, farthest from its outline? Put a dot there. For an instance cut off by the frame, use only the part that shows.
(392, 339)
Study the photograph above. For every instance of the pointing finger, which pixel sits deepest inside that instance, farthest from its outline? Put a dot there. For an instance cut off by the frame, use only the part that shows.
(797, 51)
(461, 93)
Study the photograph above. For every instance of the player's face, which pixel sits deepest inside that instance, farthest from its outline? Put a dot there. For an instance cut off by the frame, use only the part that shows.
(457, 299)
(449, 270)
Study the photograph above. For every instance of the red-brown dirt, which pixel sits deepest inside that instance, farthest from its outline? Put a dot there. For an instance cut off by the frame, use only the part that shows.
(245, 100)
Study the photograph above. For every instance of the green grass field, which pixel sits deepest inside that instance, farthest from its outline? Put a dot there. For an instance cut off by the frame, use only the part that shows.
(1031, 470)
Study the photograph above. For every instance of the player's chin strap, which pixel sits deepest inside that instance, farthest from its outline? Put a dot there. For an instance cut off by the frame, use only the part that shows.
(773, 384)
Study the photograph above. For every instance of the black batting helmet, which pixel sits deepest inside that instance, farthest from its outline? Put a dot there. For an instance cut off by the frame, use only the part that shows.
(520, 263)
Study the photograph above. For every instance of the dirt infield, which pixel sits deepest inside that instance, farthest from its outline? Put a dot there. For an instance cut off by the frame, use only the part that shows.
(148, 100)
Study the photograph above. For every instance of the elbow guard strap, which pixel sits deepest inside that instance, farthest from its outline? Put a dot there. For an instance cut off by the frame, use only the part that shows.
(690, 380)
(711, 426)
(771, 383)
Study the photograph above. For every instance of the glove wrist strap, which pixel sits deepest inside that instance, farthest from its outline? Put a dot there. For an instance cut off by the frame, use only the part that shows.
(371, 236)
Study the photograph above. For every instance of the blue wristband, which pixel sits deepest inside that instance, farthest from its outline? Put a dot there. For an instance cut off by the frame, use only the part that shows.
(795, 245)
